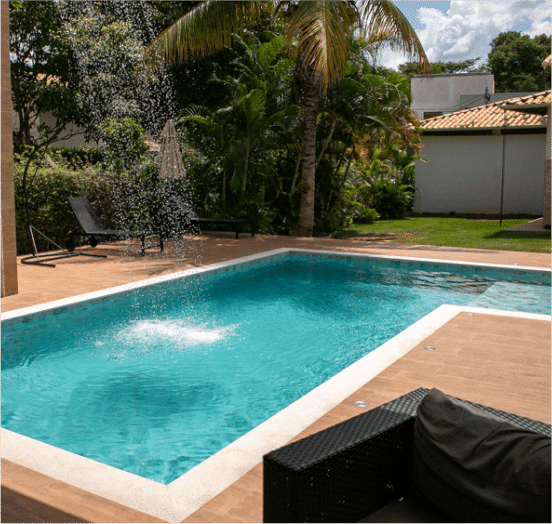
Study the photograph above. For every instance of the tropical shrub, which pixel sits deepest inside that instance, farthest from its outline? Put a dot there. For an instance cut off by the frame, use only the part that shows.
(357, 197)
(261, 213)
(366, 215)
(125, 143)
(390, 200)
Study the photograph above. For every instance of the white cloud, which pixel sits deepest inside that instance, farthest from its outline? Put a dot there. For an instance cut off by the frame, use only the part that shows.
(540, 22)
(468, 27)
(391, 59)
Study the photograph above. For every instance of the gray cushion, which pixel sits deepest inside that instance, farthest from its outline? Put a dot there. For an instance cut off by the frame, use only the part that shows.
(474, 467)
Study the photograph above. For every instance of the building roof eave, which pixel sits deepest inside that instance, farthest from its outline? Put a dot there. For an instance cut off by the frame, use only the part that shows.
(537, 109)
(447, 130)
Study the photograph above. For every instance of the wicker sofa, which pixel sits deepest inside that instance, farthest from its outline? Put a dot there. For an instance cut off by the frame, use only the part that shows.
(398, 463)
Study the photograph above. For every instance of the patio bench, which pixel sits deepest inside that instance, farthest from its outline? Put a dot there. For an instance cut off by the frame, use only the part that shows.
(235, 223)
(192, 221)
(370, 468)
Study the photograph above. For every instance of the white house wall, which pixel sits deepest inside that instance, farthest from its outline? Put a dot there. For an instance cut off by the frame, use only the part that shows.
(75, 133)
(463, 174)
(75, 140)
(524, 174)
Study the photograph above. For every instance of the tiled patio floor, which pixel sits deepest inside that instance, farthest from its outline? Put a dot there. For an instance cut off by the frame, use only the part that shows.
(498, 361)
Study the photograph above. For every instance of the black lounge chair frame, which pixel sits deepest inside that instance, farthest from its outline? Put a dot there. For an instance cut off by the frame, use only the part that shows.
(349, 471)
(92, 228)
(42, 259)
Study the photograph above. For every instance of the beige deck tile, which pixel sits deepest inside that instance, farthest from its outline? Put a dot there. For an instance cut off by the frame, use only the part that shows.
(20, 503)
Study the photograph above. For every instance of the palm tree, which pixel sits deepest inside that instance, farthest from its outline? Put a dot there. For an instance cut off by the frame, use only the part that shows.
(320, 32)
(239, 133)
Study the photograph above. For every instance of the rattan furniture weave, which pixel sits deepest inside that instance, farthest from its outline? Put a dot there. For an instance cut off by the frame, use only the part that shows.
(350, 470)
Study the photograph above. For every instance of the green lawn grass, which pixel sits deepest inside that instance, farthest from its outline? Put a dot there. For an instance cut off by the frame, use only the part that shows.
(452, 232)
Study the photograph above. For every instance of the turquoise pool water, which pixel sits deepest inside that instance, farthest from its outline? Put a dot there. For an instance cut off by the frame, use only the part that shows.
(157, 381)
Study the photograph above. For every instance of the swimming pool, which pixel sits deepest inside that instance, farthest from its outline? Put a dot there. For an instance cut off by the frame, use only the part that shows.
(224, 312)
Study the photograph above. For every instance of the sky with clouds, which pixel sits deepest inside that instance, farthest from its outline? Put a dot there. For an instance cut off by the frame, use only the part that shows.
(462, 29)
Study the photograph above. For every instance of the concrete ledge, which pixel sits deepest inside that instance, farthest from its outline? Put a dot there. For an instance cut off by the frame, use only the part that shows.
(535, 226)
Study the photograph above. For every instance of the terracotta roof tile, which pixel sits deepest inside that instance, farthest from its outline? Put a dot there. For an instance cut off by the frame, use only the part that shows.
(541, 99)
(491, 116)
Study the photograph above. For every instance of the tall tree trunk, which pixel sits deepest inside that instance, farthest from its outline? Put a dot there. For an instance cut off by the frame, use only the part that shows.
(309, 110)
(246, 170)
(224, 188)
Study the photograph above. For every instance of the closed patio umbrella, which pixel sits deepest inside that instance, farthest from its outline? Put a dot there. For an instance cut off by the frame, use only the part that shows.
(169, 159)
(171, 168)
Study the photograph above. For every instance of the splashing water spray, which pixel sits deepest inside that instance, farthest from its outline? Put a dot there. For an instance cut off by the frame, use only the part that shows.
(133, 110)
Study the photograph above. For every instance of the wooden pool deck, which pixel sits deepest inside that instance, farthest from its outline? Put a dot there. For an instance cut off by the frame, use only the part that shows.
(503, 362)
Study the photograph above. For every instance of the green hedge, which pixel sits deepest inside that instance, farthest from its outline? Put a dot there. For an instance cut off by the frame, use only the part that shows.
(136, 200)
(77, 158)
(49, 212)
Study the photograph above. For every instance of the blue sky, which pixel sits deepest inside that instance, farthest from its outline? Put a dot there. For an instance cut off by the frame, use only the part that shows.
(410, 8)
(462, 29)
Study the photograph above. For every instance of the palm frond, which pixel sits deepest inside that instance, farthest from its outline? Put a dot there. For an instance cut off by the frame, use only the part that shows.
(192, 110)
(206, 29)
(322, 30)
(383, 20)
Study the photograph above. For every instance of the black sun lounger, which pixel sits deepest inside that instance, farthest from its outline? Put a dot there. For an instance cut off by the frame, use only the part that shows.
(92, 228)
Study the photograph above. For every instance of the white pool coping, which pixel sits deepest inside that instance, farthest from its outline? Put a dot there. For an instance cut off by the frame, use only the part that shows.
(179, 499)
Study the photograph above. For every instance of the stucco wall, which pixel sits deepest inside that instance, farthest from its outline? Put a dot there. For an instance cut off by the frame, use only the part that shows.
(464, 174)
(547, 174)
(435, 93)
(75, 133)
